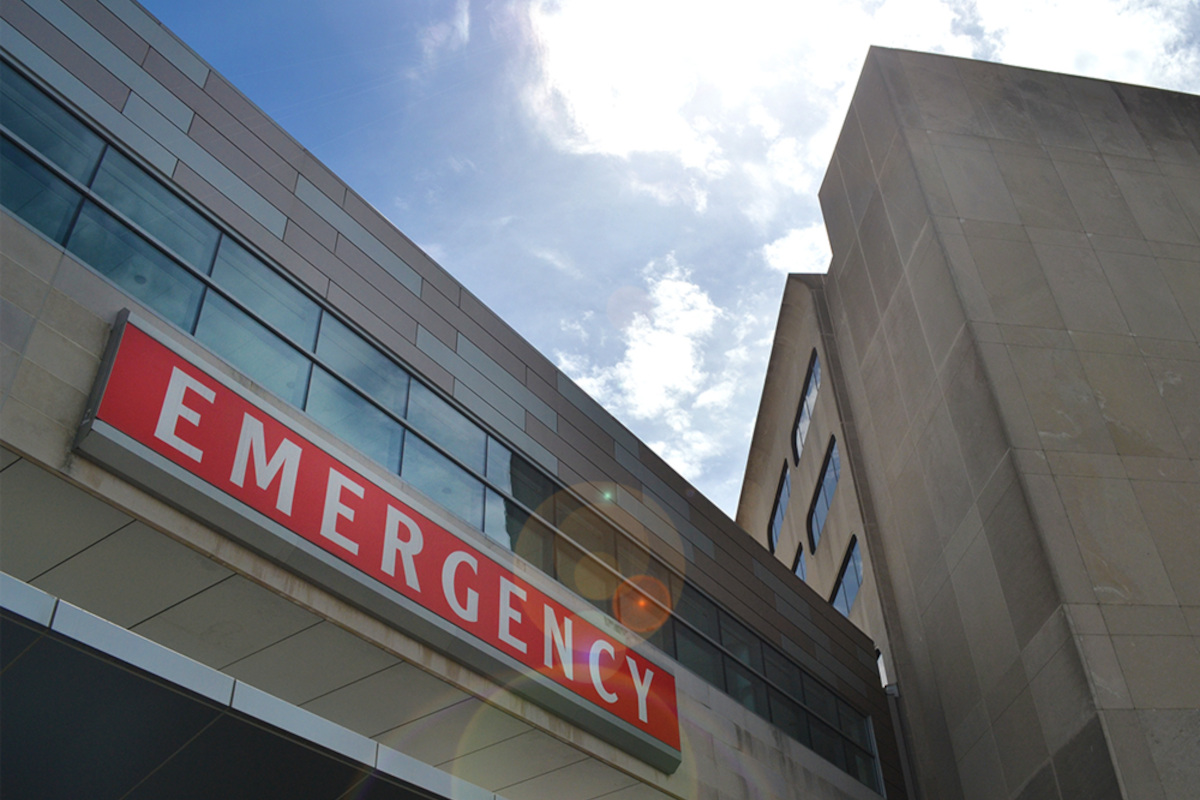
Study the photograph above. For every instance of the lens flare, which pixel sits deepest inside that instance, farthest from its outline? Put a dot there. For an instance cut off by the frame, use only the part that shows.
(634, 603)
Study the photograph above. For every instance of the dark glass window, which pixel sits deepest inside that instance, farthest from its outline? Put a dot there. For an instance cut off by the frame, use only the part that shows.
(587, 529)
(782, 672)
(156, 209)
(135, 265)
(441, 479)
(363, 365)
(789, 717)
(746, 687)
(741, 642)
(861, 764)
(518, 477)
(584, 575)
(256, 351)
(47, 127)
(511, 526)
(831, 471)
(856, 726)
(782, 495)
(799, 568)
(664, 636)
(849, 581)
(808, 401)
(697, 609)
(827, 743)
(35, 194)
(634, 562)
(699, 655)
(267, 293)
(822, 701)
(348, 414)
(447, 426)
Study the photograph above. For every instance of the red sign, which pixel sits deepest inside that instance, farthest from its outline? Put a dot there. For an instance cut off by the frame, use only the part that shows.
(177, 410)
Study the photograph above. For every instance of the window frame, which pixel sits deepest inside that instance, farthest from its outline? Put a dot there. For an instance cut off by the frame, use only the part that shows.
(775, 524)
(799, 567)
(808, 399)
(830, 450)
(838, 585)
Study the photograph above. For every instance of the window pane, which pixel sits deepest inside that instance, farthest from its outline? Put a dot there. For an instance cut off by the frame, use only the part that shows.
(849, 581)
(745, 687)
(738, 640)
(839, 601)
(434, 417)
(854, 725)
(510, 526)
(641, 605)
(267, 293)
(782, 495)
(790, 718)
(816, 524)
(445, 482)
(634, 562)
(250, 347)
(519, 478)
(34, 194)
(348, 415)
(499, 520)
(584, 576)
(802, 427)
(698, 655)
(664, 637)
(135, 265)
(824, 495)
(697, 609)
(587, 529)
(819, 700)
(827, 743)
(155, 209)
(47, 127)
(782, 672)
(363, 365)
(862, 766)
(807, 403)
(800, 568)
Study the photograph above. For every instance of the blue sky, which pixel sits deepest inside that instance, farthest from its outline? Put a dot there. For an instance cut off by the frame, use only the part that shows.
(628, 182)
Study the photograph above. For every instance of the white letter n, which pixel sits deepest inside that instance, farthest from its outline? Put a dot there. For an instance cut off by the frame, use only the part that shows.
(560, 641)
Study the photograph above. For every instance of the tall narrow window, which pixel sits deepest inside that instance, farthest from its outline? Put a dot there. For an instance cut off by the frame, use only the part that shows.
(782, 495)
(799, 567)
(831, 470)
(808, 400)
(849, 581)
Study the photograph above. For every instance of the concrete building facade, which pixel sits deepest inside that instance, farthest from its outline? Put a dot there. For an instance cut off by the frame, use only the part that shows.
(1010, 336)
(286, 511)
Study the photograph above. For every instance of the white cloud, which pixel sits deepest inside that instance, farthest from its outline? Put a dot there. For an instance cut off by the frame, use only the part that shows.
(662, 365)
(448, 35)
(560, 261)
(1133, 42)
(684, 375)
(708, 106)
(755, 96)
(800, 250)
(688, 192)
